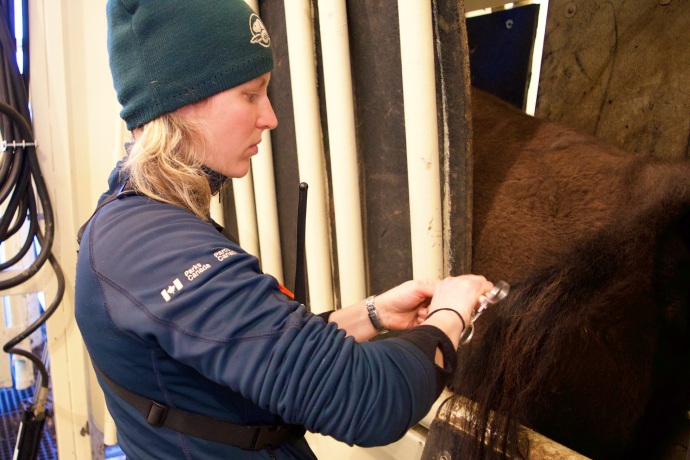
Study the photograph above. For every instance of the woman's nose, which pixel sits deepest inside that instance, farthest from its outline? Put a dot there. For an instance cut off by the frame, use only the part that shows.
(267, 118)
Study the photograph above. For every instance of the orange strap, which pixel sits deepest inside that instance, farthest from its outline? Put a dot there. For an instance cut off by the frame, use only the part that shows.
(286, 291)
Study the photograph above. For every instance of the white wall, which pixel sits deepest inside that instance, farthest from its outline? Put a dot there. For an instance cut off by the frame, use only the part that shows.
(77, 127)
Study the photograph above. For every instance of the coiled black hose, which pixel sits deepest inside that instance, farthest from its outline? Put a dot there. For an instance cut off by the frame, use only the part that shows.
(24, 193)
(22, 207)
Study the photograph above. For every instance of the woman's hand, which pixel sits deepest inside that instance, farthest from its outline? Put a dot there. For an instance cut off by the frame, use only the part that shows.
(461, 294)
(408, 305)
(405, 306)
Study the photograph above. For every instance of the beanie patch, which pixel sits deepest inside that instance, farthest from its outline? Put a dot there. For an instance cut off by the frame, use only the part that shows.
(259, 32)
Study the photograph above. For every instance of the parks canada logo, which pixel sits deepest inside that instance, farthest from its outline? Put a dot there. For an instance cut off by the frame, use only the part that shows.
(259, 32)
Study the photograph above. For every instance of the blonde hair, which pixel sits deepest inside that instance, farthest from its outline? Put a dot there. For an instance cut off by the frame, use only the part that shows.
(165, 164)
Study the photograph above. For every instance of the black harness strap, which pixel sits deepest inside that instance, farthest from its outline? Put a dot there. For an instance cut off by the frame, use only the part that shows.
(248, 437)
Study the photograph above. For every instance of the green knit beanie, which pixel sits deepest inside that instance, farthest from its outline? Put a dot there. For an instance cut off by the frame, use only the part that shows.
(165, 54)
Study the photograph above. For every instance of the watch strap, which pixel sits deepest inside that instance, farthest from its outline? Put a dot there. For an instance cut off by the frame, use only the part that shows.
(373, 314)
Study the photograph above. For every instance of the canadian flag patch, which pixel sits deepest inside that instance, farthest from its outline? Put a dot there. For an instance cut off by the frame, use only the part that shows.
(168, 292)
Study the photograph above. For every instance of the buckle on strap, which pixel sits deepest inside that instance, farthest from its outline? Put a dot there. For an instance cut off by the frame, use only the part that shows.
(273, 436)
(156, 414)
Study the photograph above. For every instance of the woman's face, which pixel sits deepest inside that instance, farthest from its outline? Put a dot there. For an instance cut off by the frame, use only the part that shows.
(232, 122)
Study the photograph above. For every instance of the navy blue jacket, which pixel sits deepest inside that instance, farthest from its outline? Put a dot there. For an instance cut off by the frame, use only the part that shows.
(171, 309)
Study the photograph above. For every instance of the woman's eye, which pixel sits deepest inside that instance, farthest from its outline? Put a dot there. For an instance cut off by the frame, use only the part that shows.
(251, 97)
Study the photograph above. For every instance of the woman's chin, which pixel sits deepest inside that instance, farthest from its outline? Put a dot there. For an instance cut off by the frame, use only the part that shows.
(240, 172)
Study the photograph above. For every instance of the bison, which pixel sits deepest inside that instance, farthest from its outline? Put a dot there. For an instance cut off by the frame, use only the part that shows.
(591, 348)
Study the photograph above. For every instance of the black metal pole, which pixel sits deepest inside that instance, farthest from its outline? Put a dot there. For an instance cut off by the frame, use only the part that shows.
(300, 262)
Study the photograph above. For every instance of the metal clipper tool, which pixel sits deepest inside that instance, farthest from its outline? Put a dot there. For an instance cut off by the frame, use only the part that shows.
(498, 293)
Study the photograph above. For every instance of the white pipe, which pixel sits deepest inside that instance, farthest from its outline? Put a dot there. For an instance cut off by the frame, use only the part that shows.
(23, 369)
(253, 4)
(265, 206)
(342, 141)
(216, 210)
(243, 193)
(109, 430)
(421, 135)
(537, 53)
(267, 209)
(298, 18)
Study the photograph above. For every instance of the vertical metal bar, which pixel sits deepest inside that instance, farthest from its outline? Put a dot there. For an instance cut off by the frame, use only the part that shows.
(243, 192)
(300, 269)
(421, 134)
(343, 149)
(266, 208)
(310, 158)
(455, 118)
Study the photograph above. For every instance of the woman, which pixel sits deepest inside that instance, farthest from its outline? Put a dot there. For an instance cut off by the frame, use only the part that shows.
(201, 355)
